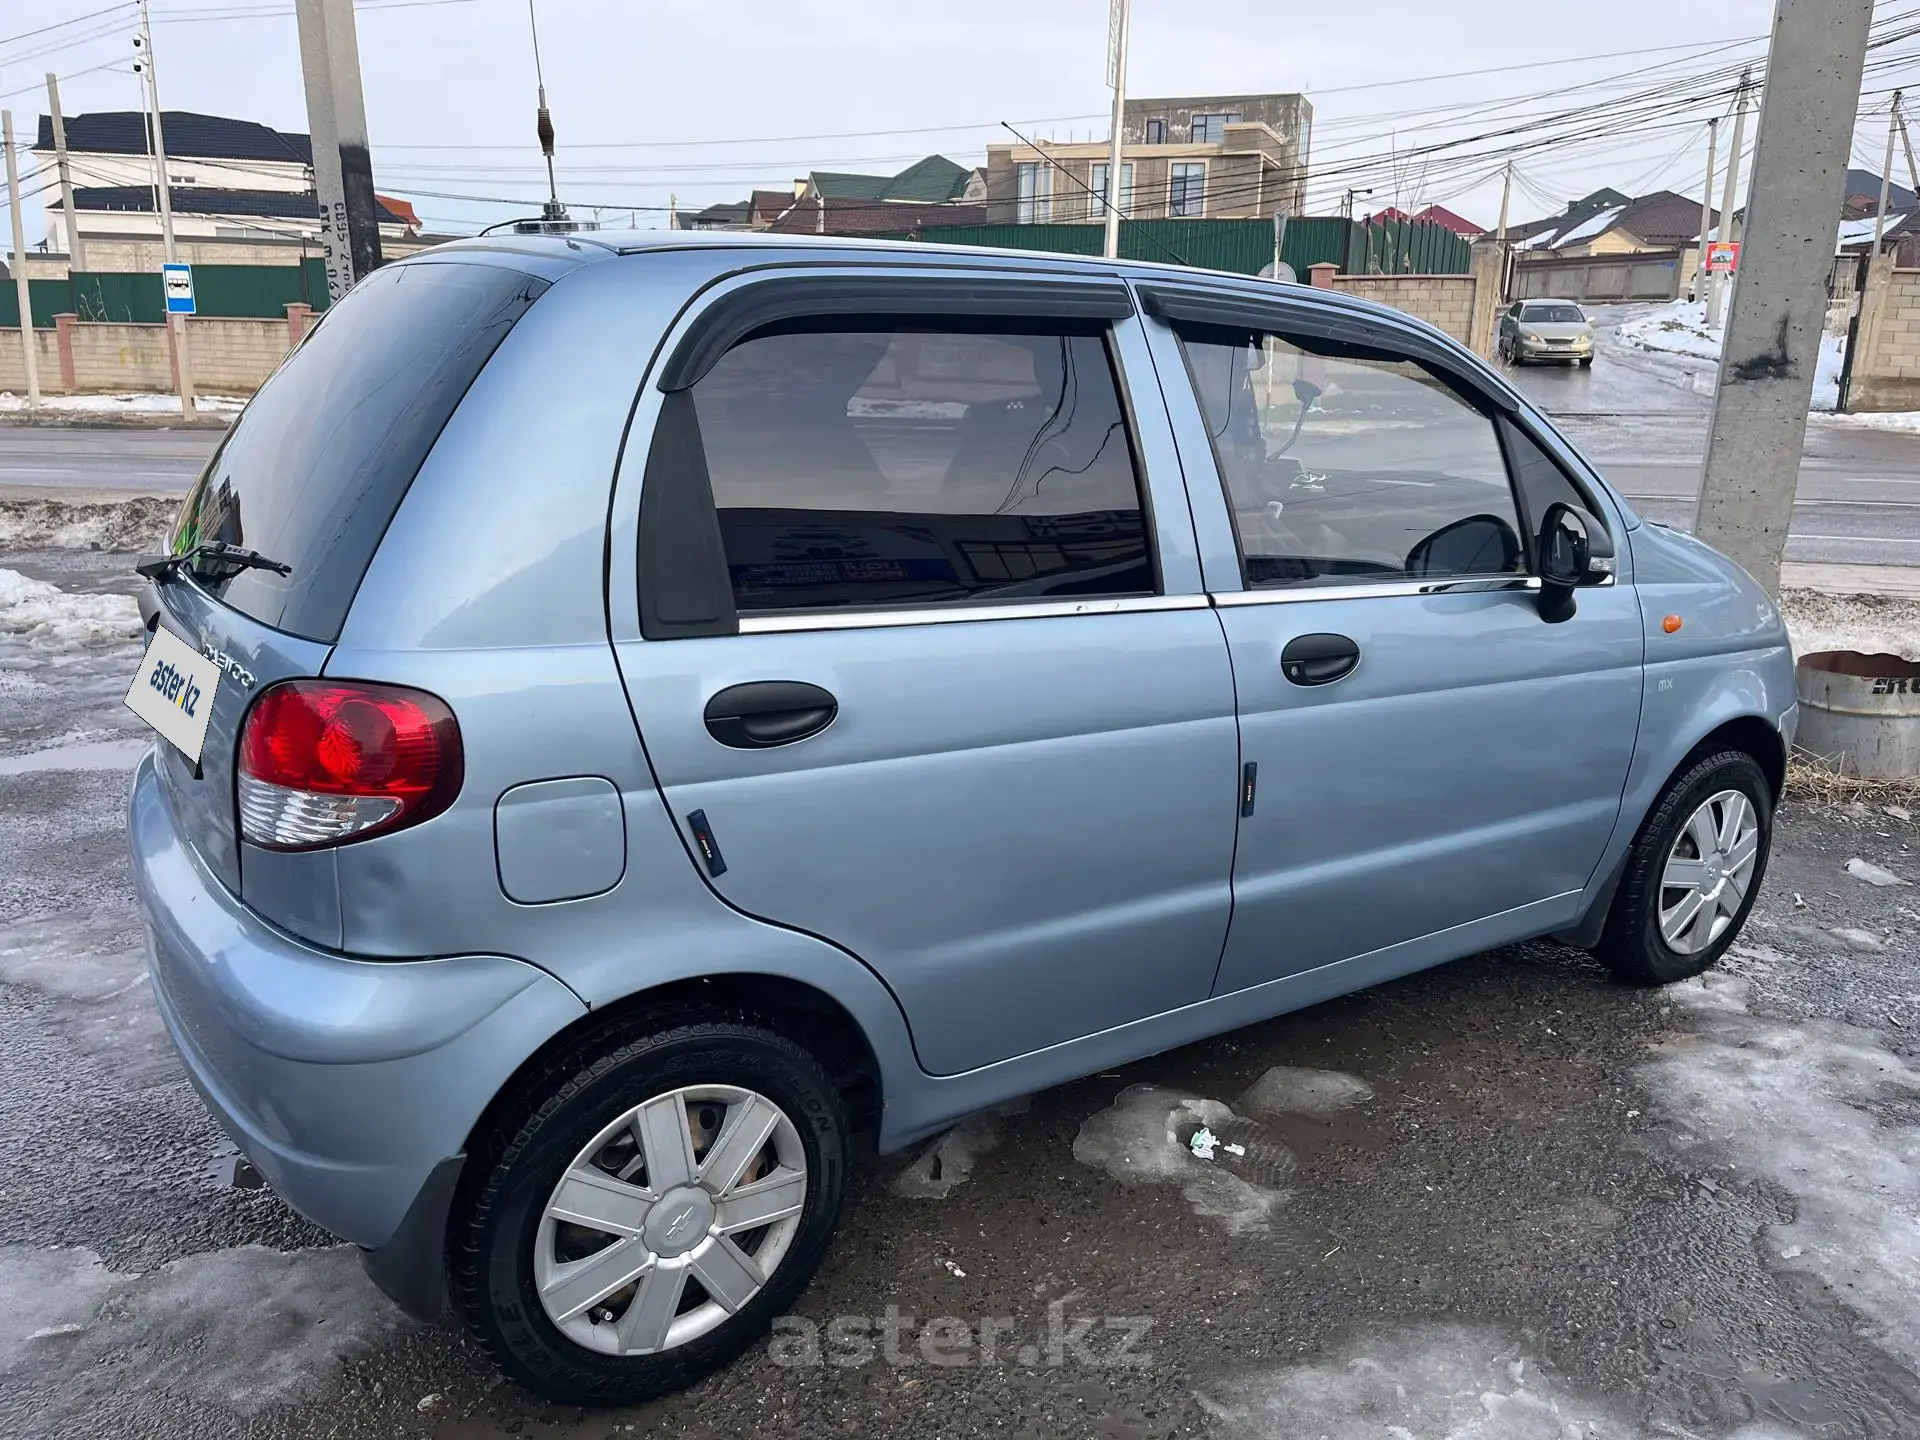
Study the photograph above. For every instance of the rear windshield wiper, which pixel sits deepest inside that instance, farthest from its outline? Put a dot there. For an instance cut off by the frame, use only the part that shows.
(213, 559)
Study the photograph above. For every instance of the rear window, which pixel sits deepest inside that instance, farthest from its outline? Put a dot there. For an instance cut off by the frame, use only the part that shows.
(312, 472)
(1554, 314)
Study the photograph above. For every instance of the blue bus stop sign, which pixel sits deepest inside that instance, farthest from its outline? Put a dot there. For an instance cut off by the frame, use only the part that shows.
(178, 282)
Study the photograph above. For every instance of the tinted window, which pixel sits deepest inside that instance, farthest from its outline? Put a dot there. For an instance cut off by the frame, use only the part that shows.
(315, 467)
(908, 466)
(1554, 315)
(1340, 467)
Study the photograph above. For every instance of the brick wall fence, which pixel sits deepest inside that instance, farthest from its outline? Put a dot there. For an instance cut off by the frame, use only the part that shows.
(1466, 307)
(77, 357)
(1886, 366)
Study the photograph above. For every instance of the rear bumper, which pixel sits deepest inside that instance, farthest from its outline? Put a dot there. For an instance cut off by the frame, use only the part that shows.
(352, 1085)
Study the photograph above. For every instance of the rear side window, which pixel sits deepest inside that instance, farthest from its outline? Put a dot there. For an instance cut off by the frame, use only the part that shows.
(857, 463)
(312, 472)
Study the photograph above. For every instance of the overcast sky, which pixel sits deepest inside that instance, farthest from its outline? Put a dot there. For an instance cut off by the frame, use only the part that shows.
(644, 95)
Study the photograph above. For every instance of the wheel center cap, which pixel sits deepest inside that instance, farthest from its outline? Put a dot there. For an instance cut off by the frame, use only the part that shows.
(678, 1221)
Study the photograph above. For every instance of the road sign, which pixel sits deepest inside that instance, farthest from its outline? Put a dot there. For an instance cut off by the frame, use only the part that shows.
(1723, 257)
(178, 280)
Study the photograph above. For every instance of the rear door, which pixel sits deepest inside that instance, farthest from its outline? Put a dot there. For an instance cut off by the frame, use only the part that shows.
(1439, 768)
(918, 647)
(310, 475)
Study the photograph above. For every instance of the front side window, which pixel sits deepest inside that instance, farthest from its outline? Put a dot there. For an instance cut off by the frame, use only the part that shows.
(908, 464)
(1343, 465)
(1033, 189)
(1187, 195)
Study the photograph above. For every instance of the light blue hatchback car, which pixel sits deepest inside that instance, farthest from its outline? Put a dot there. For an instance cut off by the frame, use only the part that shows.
(679, 702)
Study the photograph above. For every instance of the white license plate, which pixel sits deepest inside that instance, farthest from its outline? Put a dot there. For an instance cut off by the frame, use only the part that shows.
(173, 692)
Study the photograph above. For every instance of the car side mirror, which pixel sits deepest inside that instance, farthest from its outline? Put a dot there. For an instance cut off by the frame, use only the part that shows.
(1306, 392)
(1574, 549)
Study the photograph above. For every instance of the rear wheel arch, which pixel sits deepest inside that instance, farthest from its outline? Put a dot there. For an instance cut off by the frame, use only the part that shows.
(803, 1013)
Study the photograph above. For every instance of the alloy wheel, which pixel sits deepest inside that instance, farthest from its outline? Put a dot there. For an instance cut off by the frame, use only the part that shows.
(1708, 871)
(670, 1220)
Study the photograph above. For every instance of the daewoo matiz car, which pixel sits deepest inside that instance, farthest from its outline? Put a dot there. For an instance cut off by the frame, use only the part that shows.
(666, 705)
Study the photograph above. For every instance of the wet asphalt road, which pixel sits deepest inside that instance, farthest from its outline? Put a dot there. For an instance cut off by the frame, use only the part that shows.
(1505, 1200)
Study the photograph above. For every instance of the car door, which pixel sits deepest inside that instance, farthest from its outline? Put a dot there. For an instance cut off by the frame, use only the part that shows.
(919, 650)
(1438, 767)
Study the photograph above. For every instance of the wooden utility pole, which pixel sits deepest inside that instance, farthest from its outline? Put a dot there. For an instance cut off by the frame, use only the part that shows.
(76, 250)
(1118, 19)
(32, 359)
(1706, 211)
(1767, 364)
(163, 188)
(1717, 294)
(1886, 174)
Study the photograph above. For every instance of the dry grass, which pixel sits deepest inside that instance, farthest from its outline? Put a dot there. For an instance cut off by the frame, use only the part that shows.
(1812, 778)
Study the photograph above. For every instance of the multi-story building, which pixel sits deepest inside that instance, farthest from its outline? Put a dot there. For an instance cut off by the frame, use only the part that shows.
(228, 180)
(1213, 157)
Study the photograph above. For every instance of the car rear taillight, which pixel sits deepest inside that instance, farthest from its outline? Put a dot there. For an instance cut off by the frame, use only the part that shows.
(326, 761)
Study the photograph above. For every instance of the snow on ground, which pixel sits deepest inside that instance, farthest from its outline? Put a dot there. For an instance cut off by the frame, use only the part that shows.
(1901, 420)
(49, 616)
(1424, 1382)
(949, 1160)
(121, 404)
(244, 1329)
(1872, 624)
(1681, 328)
(1821, 1110)
(137, 524)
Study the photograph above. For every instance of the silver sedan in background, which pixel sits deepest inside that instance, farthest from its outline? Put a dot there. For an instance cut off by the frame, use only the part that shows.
(1545, 330)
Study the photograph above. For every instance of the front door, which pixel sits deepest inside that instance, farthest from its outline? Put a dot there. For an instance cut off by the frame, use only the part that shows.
(962, 708)
(1439, 768)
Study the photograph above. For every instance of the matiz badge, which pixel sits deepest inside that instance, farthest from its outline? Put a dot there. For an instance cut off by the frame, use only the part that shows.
(173, 692)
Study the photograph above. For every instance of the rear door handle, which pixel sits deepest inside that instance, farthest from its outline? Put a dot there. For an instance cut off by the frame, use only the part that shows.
(766, 713)
(1319, 659)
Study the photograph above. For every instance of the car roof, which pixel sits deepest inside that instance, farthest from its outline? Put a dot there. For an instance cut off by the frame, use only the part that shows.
(543, 253)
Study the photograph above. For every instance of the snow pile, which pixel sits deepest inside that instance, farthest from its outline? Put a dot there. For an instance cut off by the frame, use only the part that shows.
(1823, 1111)
(1681, 328)
(1145, 1138)
(47, 614)
(121, 404)
(1424, 1382)
(1872, 624)
(1907, 421)
(138, 524)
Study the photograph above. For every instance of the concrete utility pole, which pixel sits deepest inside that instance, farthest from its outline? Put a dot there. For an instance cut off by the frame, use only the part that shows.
(1119, 14)
(1706, 210)
(1717, 294)
(20, 264)
(76, 251)
(163, 188)
(1506, 201)
(1886, 174)
(337, 130)
(1779, 310)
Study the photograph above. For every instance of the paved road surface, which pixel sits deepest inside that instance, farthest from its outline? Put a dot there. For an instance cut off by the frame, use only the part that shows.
(121, 460)
(1503, 1198)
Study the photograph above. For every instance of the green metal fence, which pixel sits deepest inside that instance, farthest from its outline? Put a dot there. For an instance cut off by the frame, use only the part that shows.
(136, 298)
(1243, 247)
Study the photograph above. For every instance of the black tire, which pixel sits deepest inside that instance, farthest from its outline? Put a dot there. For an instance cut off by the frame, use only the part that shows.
(1632, 945)
(1586, 362)
(514, 1168)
